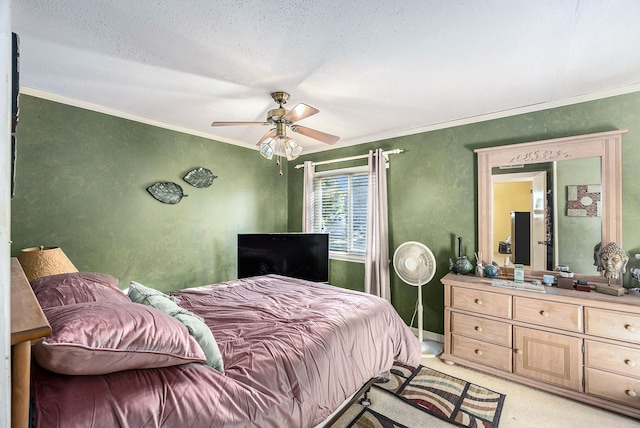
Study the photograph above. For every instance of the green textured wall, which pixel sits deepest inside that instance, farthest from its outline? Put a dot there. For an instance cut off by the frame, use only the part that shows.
(432, 186)
(579, 235)
(81, 185)
(81, 179)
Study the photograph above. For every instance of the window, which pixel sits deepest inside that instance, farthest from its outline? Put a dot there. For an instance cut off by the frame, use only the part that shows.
(340, 209)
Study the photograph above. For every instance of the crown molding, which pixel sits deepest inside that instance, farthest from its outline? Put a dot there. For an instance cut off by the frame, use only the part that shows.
(321, 148)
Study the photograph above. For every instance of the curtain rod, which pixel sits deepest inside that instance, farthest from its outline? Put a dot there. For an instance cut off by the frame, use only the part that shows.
(385, 154)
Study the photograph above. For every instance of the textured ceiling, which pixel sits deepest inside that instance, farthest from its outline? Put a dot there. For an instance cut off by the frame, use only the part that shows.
(375, 69)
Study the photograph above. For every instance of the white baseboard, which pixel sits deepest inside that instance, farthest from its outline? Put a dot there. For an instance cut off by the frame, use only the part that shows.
(429, 335)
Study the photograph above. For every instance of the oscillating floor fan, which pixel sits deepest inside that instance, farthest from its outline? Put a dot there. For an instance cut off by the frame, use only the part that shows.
(415, 265)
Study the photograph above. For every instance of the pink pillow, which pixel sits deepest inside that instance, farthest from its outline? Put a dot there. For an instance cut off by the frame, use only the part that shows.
(105, 337)
(77, 287)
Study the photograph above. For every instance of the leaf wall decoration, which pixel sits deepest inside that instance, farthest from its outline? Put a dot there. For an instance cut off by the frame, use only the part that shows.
(166, 192)
(200, 177)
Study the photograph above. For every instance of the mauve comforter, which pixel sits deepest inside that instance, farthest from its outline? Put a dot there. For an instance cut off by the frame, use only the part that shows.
(293, 352)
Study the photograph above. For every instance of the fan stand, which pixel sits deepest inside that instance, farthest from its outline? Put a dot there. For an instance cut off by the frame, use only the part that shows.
(415, 265)
(430, 348)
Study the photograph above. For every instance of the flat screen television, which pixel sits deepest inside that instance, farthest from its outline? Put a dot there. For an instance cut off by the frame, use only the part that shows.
(297, 255)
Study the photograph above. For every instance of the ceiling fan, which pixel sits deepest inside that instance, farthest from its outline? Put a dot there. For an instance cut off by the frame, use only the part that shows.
(276, 139)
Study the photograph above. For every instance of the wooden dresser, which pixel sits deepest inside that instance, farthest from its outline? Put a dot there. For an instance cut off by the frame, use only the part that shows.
(28, 323)
(584, 346)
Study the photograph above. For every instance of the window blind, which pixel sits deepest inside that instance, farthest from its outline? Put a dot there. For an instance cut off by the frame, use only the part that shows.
(340, 209)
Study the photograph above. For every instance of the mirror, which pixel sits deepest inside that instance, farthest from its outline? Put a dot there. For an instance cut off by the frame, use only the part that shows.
(560, 202)
(564, 218)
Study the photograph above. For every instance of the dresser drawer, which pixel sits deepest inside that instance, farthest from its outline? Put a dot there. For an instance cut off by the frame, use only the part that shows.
(613, 387)
(563, 316)
(612, 324)
(482, 302)
(619, 359)
(481, 329)
(481, 352)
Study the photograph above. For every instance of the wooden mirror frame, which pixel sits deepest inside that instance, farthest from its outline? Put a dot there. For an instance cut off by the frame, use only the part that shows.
(605, 145)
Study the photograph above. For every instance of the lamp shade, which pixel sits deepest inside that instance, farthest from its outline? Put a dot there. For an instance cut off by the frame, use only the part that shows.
(280, 145)
(44, 261)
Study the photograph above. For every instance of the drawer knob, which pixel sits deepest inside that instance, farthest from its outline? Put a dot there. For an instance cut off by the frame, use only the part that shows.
(478, 301)
(630, 327)
(631, 393)
(519, 351)
(478, 352)
(630, 363)
(544, 313)
(478, 328)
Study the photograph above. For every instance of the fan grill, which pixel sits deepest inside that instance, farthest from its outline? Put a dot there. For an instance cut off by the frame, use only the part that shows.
(414, 263)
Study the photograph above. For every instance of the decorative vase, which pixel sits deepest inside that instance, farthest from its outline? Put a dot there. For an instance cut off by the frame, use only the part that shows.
(490, 270)
(462, 265)
(479, 270)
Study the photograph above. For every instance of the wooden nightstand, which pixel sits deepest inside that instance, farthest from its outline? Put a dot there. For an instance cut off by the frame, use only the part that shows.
(28, 323)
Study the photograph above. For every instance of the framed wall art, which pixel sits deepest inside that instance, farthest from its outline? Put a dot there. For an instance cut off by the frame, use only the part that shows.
(584, 200)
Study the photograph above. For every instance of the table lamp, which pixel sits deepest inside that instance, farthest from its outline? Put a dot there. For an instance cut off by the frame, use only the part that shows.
(44, 261)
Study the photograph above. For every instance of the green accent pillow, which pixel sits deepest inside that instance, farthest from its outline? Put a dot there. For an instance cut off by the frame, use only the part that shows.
(139, 293)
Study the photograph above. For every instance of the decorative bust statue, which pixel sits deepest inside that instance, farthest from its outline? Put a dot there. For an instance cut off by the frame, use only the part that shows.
(613, 260)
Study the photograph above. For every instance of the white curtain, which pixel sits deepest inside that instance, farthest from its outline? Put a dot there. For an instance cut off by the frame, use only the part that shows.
(376, 275)
(307, 197)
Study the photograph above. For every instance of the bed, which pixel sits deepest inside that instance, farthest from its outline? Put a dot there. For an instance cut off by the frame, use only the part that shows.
(285, 352)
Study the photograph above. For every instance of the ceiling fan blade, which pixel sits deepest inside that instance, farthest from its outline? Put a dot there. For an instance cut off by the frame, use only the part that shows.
(270, 133)
(299, 112)
(240, 123)
(316, 135)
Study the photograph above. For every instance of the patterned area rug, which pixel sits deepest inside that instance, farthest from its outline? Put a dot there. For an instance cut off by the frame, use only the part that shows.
(371, 419)
(446, 397)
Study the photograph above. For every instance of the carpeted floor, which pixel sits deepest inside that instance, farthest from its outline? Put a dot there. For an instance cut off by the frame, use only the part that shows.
(524, 407)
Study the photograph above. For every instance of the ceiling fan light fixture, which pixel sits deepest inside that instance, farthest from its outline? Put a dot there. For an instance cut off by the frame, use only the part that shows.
(282, 146)
(267, 148)
(291, 149)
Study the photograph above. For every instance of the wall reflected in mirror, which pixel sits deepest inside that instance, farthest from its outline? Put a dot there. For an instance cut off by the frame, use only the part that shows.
(548, 213)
